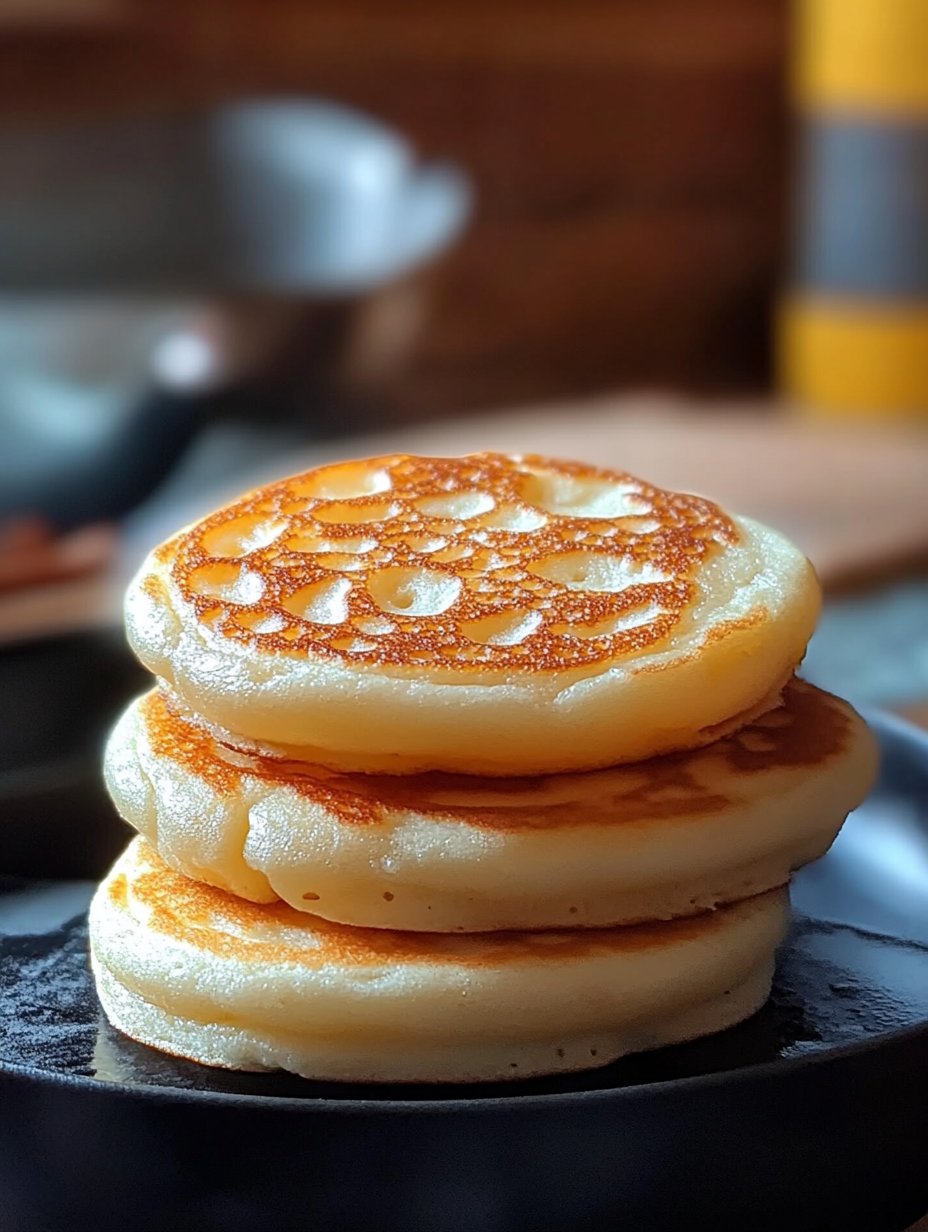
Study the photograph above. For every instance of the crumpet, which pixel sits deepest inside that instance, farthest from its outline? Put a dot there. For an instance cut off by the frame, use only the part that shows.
(483, 614)
(437, 852)
(197, 973)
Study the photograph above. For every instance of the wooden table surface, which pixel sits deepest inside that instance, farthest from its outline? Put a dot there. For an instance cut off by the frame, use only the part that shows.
(855, 498)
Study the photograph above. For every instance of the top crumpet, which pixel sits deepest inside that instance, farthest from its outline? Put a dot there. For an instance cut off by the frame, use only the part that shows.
(485, 614)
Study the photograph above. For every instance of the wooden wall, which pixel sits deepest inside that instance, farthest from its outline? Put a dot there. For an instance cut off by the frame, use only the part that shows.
(629, 157)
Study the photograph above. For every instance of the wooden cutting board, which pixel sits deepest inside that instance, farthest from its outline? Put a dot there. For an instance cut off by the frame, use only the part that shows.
(855, 497)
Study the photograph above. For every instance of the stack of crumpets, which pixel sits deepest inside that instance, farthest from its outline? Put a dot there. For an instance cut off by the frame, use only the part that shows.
(463, 769)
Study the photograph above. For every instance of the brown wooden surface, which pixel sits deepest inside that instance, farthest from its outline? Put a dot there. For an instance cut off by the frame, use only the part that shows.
(855, 498)
(917, 712)
(629, 160)
(31, 15)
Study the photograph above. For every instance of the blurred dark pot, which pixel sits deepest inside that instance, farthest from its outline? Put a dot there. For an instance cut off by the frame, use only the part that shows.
(274, 254)
(61, 696)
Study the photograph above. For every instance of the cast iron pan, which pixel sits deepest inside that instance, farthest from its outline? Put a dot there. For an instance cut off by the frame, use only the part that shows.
(811, 1116)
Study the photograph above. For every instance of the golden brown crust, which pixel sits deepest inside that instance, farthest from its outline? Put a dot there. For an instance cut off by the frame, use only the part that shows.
(485, 561)
(808, 729)
(214, 921)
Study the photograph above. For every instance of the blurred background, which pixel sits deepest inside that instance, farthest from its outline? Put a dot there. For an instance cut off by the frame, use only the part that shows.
(629, 161)
(683, 237)
(688, 238)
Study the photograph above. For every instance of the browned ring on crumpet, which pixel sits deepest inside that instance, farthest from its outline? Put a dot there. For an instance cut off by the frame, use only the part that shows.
(668, 837)
(487, 614)
(198, 973)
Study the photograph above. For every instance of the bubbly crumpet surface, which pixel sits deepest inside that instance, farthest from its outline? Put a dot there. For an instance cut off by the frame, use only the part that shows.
(504, 561)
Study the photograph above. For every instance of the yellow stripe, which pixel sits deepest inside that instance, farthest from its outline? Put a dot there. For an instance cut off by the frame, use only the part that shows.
(854, 358)
(870, 54)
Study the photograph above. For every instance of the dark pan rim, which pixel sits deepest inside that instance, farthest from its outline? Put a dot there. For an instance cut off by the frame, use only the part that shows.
(742, 1076)
(895, 728)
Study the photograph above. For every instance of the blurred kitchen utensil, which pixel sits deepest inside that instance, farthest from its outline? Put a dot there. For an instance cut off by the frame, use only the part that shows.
(264, 255)
(32, 553)
(294, 193)
(316, 195)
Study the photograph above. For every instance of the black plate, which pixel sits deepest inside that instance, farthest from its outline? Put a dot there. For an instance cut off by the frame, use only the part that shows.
(812, 1115)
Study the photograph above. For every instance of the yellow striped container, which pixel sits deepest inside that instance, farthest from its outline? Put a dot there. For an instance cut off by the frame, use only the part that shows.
(853, 330)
